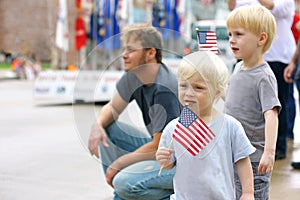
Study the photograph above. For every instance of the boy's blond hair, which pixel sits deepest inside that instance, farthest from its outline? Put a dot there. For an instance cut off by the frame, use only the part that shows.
(210, 66)
(256, 19)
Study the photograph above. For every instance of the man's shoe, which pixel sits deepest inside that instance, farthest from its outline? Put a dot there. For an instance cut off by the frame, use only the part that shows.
(296, 165)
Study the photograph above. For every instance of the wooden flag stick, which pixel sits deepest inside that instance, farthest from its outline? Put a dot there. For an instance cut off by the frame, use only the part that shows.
(161, 168)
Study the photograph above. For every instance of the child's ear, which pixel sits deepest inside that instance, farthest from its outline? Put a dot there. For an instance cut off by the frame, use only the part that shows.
(218, 95)
(263, 37)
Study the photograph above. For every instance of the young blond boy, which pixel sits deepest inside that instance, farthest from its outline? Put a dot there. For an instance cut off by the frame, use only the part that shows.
(252, 96)
(202, 80)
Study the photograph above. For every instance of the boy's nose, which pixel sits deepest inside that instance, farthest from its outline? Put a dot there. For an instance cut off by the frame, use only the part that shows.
(189, 91)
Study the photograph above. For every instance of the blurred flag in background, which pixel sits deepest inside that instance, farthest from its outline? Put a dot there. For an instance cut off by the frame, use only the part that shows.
(165, 16)
(62, 30)
(104, 24)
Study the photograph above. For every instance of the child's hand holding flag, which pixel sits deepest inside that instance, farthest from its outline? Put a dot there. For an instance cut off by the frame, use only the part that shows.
(191, 132)
(164, 157)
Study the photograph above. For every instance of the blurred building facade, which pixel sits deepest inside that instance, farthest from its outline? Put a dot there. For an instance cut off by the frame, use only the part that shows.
(28, 26)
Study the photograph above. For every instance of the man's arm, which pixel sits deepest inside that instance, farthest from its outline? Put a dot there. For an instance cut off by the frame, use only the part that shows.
(107, 115)
(289, 70)
(231, 4)
(267, 3)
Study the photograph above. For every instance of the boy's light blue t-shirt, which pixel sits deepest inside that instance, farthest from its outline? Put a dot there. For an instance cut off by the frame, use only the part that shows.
(210, 174)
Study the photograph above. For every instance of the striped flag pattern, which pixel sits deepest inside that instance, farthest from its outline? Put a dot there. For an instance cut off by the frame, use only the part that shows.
(207, 41)
(191, 132)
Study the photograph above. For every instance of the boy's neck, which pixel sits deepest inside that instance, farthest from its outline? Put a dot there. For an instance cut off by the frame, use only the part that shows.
(252, 62)
(210, 117)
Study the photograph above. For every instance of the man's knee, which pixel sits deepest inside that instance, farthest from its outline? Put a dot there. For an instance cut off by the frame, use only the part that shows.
(122, 186)
(129, 186)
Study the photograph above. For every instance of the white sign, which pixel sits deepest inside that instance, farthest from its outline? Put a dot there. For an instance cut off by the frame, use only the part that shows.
(76, 85)
(85, 85)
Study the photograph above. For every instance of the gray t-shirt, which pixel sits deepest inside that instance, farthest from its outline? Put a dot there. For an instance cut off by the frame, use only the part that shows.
(210, 174)
(251, 93)
(158, 102)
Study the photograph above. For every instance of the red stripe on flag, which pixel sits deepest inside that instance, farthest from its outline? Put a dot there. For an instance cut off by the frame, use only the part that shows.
(187, 136)
(191, 136)
(207, 129)
(203, 132)
(187, 141)
(186, 147)
(202, 139)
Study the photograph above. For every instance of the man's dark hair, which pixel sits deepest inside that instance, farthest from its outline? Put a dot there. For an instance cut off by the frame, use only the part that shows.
(149, 37)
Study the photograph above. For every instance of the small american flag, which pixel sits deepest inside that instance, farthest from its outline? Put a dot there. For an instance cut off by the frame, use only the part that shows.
(207, 41)
(191, 132)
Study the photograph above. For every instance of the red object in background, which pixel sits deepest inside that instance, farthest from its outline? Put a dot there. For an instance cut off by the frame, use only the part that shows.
(295, 31)
(15, 64)
(80, 34)
(78, 4)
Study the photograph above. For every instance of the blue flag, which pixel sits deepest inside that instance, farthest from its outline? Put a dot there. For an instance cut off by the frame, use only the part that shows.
(107, 27)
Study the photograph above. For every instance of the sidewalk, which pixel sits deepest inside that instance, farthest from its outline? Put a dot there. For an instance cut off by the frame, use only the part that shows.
(42, 155)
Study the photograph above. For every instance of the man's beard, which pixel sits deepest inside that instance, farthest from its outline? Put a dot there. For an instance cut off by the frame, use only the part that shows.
(141, 64)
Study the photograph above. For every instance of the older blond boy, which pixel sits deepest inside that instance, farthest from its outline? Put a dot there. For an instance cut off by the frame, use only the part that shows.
(252, 96)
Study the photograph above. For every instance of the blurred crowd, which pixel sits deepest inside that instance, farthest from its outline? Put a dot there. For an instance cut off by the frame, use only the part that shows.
(26, 67)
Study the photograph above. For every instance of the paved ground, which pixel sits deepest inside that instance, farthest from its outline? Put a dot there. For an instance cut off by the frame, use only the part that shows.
(43, 151)
(42, 155)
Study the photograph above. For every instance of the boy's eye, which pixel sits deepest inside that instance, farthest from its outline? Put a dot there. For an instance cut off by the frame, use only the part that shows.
(198, 87)
(182, 85)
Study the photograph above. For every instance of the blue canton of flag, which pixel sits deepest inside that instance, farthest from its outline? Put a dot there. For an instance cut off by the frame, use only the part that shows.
(191, 132)
(187, 117)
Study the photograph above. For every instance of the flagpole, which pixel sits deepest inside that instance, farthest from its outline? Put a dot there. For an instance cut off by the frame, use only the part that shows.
(161, 168)
(62, 31)
(63, 59)
(78, 58)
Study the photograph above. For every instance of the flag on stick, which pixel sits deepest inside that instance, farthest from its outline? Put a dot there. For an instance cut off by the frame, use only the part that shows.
(207, 41)
(191, 132)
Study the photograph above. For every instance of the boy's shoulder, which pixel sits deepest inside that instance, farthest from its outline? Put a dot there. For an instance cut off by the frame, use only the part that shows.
(171, 125)
(231, 120)
(260, 70)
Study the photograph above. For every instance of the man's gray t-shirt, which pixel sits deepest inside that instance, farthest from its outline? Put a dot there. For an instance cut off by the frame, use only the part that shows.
(251, 93)
(158, 102)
